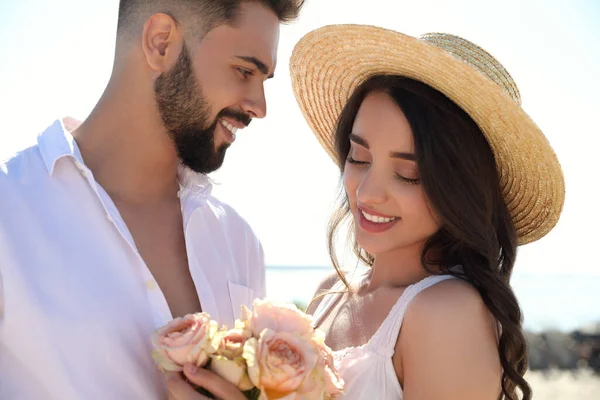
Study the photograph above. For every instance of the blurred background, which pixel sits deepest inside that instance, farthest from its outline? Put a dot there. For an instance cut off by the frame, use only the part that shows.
(57, 58)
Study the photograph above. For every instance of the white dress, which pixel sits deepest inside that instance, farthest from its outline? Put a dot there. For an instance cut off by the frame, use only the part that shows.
(367, 370)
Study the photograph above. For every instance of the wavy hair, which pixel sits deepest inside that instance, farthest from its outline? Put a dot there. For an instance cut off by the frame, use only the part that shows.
(459, 177)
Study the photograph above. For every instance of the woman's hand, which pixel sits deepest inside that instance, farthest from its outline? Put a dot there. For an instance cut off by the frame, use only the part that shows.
(179, 389)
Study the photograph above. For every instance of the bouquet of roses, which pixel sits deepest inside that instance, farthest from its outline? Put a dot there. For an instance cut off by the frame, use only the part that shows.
(272, 352)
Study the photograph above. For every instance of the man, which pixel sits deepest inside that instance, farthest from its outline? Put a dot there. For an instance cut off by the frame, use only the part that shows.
(108, 228)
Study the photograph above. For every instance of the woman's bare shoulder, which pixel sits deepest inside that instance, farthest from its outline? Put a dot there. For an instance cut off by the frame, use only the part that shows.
(449, 333)
(325, 285)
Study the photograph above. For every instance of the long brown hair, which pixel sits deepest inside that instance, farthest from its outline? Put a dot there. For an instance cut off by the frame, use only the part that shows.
(458, 173)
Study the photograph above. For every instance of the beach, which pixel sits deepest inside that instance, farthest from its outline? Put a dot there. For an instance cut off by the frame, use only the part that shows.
(564, 385)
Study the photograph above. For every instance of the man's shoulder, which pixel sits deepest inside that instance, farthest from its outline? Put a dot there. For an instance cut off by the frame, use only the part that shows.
(228, 215)
(224, 209)
(36, 158)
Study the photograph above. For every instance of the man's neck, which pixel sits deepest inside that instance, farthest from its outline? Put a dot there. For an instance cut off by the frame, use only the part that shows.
(126, 147)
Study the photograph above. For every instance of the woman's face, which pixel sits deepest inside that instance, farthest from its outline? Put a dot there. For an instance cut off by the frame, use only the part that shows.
(382, 181)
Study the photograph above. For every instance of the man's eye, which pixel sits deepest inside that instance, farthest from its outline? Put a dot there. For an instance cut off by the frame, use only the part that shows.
(246, 73)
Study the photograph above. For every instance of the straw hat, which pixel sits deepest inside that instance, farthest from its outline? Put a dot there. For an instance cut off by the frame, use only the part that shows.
(329, 63)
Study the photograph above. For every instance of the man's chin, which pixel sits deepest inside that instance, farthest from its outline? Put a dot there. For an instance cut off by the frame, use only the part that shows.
(199, 161)
(205, 168)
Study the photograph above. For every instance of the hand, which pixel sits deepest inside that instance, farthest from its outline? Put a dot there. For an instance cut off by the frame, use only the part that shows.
(179, 389)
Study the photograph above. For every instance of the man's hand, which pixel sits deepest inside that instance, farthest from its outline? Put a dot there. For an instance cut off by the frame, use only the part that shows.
(179, 389)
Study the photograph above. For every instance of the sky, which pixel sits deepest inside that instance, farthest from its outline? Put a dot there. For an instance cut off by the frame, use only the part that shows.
(57, 58)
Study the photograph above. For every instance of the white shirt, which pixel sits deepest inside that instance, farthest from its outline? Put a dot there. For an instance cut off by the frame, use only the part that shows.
(77, 302)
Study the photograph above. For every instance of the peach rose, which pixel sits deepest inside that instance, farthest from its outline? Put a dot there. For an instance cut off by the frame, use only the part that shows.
(279, 362)
(313, 388)
(323, 383)
(184, 340)
(334, 384)
(278, 318)
(230, 343)
(227, 361)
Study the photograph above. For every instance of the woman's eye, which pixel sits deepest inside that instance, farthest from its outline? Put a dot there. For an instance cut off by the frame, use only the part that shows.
(351, 160)
(407, 180)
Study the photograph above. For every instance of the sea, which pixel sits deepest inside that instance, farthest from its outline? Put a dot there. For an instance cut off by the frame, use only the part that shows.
(563, 302)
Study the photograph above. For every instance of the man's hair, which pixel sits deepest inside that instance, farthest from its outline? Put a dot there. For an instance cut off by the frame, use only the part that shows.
(211, 13)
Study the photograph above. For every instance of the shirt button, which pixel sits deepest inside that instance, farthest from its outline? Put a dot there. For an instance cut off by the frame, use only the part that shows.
(110, 218)
(150, 284)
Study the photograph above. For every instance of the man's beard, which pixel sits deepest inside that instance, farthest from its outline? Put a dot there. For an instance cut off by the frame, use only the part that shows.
(185, 114)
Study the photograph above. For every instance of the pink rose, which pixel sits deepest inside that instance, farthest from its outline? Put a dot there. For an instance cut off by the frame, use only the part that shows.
(334, 384)
(227, 361)
(230, 343)
(279, 362)
(184, 340)
(278, 318)
(323, 383)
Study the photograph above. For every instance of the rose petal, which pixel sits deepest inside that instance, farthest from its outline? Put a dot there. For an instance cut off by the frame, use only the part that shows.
(164, 362)
(227, 369)
(279, 318)
(249, 355)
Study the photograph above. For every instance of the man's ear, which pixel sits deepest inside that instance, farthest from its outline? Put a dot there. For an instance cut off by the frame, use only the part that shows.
(162, 42)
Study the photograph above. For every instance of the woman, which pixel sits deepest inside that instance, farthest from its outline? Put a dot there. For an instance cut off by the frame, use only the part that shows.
(443, 176)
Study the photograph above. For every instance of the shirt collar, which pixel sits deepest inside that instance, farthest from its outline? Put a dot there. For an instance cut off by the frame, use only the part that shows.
(194, 182)
(56, 142)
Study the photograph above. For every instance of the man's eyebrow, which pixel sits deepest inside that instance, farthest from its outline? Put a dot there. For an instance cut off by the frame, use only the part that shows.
(261, 66)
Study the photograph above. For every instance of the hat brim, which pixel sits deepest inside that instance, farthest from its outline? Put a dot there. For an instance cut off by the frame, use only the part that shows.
(328, 64)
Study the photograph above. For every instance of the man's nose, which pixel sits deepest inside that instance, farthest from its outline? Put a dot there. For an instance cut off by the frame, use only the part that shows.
(255, 105)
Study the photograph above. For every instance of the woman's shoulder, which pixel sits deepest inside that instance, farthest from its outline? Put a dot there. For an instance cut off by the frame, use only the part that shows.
(448, 327)
(452, 309)
(324, 286)
(449, 302)
(447, 295)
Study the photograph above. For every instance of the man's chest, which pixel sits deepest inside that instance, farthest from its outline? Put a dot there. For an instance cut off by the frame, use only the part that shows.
(158, 234)
(73, 255)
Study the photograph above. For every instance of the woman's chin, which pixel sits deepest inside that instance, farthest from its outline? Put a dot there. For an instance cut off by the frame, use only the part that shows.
(371, 245)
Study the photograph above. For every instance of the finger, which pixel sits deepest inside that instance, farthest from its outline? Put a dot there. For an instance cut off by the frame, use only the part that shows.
(179, 389)
(213, 383)
(168, 376)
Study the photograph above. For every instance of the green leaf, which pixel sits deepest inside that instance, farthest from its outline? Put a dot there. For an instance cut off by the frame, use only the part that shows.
(252, 394)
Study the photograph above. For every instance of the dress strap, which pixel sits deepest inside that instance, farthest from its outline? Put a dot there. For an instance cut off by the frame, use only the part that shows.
(387, 334)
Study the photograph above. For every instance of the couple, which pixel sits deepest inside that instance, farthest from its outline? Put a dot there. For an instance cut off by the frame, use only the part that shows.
(108, 228)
